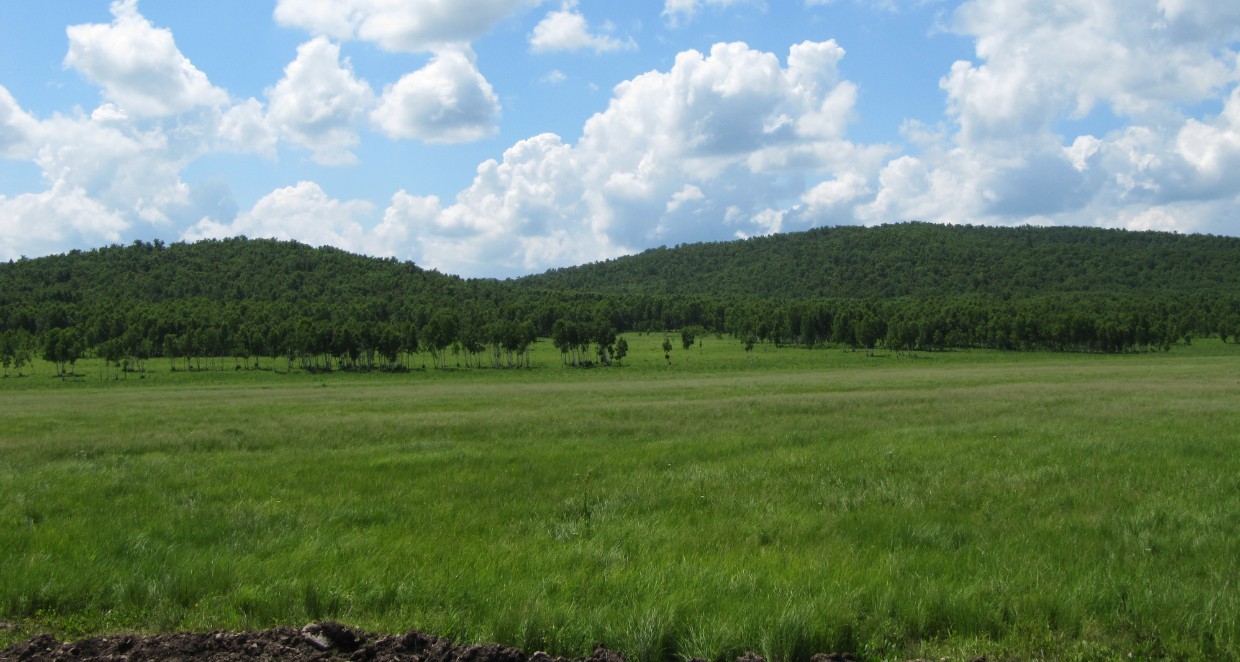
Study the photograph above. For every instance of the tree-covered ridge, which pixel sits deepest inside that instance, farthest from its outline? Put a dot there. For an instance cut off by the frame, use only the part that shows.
(200, 305)
(920, 260)
(239, 269)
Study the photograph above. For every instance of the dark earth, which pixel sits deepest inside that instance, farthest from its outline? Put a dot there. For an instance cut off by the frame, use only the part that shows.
(317, 641)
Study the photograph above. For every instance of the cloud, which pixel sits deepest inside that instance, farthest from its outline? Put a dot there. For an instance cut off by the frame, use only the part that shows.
(1002, 159)
(319, 103)
(717, 145)
(125, 168)
(688, 194)
(1213, 148)
(678, 11)
(402, 219)
(16, 128)
(567, 30)
(884, 5)
(121, 164)
(1043, 61)
(303, 212)
(34, 224)
(245, 128)
(828, 198)
(138, 66)
(400, 26)
(103, 172)
(553, 77)
(447, 101)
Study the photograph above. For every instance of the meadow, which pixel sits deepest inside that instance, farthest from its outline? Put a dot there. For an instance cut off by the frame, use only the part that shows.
(785, 501)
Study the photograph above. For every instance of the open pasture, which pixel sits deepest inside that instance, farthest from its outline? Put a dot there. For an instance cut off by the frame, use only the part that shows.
(788, 502)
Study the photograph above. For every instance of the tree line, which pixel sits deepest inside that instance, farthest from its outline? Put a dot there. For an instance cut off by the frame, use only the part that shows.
(198, 335)
(235, 303)
(924, 260)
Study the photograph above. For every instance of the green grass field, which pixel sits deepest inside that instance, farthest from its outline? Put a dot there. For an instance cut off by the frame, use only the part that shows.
(955, 504)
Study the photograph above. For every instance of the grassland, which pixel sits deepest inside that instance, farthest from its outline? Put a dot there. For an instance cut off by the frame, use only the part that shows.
(788, 501)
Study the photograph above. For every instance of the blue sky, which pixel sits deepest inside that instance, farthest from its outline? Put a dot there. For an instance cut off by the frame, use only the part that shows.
(503, 137)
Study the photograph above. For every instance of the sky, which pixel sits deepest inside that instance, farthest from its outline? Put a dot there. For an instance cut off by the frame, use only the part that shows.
(496, 138)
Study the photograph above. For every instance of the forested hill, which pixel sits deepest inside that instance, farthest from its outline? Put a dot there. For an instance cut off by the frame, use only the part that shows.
(920, 260)
(230, 270)
(909, 286)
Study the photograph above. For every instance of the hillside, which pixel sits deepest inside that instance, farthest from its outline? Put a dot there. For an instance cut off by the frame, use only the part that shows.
(910, 286)
(230, 270)
(920, 260)
(891, 261)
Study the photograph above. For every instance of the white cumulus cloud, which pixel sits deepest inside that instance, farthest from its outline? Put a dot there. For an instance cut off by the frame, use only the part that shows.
(400, 25)
(447, 101)
(34, 224)
(121, 164)
(671, 155)
(320, 102)
(245, 128)
(1040, 66)
(138, 66)
(567, 30)
(17, 127)
(829, 197)
(1212, 148)
(303, 212)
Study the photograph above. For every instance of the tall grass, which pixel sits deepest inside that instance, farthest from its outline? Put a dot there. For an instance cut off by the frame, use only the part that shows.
(788, 502)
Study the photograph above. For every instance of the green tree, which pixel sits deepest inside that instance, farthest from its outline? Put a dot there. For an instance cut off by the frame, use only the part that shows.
(622, 349)
(604, 340)
(563, 337)
(23, 350)
(8, 351)
(63, 347)
(688, 336)
(439, 334)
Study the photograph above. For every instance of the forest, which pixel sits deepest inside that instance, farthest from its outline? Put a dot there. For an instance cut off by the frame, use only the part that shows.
(234, 303)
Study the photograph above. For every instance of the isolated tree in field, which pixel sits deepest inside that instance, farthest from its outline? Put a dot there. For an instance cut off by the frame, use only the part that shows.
(667, 349)
(622, 349)
(688, 336)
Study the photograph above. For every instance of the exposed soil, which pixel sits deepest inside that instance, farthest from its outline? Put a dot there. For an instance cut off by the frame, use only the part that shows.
(317, 641)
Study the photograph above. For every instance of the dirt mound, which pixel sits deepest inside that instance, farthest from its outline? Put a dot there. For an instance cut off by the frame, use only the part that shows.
(317, 641)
